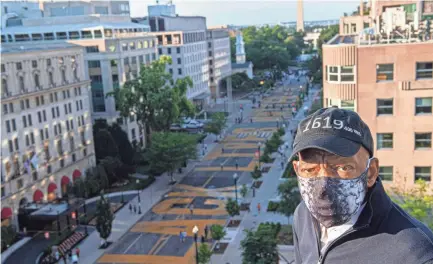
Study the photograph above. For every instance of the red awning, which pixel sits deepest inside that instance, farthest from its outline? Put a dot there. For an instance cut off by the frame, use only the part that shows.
(65, 180)
(38, 196)
(76, 174)
(6, 213)
(52, 187)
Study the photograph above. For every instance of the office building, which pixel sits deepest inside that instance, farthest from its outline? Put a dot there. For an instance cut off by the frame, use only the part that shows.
(385, 73)
(114, 50)
(47, 139)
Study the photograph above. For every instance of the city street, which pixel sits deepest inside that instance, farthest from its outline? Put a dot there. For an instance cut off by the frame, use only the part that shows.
(155, 237)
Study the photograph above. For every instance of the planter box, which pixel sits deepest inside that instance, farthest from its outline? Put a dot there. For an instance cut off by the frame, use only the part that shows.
(234, 223)
(245, 206)
(221, 249)
(257, 184)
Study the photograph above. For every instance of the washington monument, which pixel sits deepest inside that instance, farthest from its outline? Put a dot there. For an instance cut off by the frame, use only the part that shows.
(300, 16)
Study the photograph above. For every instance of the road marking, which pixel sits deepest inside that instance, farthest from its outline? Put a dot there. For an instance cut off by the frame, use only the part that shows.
(135, 241)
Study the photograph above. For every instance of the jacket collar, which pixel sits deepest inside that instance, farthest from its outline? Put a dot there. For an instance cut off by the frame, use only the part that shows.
(377, 207)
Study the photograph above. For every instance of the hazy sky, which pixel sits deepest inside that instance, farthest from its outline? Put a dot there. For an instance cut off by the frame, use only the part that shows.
(242, 12)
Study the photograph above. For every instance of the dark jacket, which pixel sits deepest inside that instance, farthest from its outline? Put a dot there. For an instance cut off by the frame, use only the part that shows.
(383, 234)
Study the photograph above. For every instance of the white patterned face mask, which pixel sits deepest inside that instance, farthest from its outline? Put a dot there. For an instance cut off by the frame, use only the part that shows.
(333, 201)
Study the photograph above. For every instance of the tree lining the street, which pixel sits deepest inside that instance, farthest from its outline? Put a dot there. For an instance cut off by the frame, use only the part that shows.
(154, 98)
(232, 207)
(170, 150)
(204, 253)
(217, 124)
(217, 232)
(290, 197)
(104, 218)
(260, 247)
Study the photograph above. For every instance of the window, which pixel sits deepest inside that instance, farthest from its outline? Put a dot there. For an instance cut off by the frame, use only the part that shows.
(168, 50)
(22, 86)
(424, 70)
(423, 105)
(19, 66)
(170, 71)
(34, 64)
(423, 140)
(5, 85)
(384, 106)
(160, 51)
(210, 53)
(133, 133)
(384, 72)
(384, 141)
(51, 78)
(132, 46)
(94, 64)
(37, 82)
(340, 73)
(385, 173)
(423, 173)
(178, 50)
(179, 71)
(179, 61)
(92, 49)
(3, 68)
(63, 76)
(48, 62)
(124, 46)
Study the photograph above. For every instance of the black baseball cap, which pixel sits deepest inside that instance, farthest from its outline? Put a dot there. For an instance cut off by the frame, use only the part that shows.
(338, 131)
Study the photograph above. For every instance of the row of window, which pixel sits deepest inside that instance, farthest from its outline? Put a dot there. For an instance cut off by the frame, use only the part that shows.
(43, 133)
(125, 46)
(423, 105)
(422, 140)
(34, 172)
(40, 100)
(76, 34)
(168, 51)
(384, 72)
(386, 173)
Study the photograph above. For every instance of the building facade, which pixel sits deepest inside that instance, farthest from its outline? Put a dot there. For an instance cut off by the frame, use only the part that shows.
(218, 42)
(184, 39)
(114, 50)
(388, 81)
(85, 7)
(47, 138)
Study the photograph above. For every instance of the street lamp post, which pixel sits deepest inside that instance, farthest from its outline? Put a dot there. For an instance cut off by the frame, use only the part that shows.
(278, 123)
(259, 144)
(195, 231)
(138, 191)
(235, 178)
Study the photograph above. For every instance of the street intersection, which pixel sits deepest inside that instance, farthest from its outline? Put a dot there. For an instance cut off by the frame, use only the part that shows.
(155, 237)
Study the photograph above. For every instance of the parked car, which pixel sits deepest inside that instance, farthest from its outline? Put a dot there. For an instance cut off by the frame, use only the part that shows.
(176, 127)
(193, 124)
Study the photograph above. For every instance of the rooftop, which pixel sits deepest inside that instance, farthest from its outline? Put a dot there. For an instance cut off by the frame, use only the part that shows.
(10, 49)
(374, 40)
(241, 65)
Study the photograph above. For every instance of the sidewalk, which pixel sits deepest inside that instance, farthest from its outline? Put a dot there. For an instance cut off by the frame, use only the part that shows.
(124, 220)
(266, 192)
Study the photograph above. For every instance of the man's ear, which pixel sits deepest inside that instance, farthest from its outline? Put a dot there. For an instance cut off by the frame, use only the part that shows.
(295, 164)
(373, 172)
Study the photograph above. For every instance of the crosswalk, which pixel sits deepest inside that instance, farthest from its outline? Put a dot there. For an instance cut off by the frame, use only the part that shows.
(266, 134)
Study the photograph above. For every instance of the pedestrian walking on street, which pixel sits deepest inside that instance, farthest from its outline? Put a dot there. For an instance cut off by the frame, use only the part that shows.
(191, 209)
(70, 255)
(282, 164)
(237, 165)
(251, 120)
(222, 150)
(205, 147)
(222, 167)
(130, 208)
(74, 259)
(181, 236)
(57, 255)
(202, 239)
(77, 251)
(64, 259)
(206, 231)
(135, 209)
(258, 208)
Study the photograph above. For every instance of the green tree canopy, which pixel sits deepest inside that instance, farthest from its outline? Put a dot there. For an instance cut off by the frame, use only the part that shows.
(290, 196)
(154, 98)
(104, 218)
(204, 254)
(217, 124)
(271, 48)
(217, 233)
(326, 35)
(169, 150)
(232, 207)
(259, 247)
(105, 146)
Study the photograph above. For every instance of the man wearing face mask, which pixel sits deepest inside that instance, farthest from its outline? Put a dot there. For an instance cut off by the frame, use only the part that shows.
(346, 217)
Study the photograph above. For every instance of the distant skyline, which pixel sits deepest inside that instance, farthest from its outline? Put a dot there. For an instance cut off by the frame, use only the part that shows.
(243, 12)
